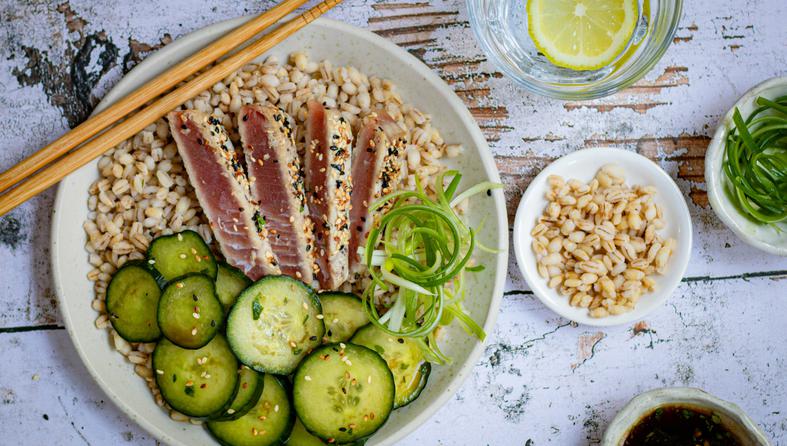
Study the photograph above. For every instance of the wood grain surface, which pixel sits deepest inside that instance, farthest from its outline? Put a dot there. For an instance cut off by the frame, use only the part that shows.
(542, 380)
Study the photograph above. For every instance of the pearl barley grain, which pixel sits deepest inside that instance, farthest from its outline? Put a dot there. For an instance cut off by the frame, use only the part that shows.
(598, 244)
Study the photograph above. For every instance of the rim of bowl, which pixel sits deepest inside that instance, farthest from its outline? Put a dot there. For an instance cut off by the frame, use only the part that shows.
(593, 90)
(559, 306)
(430, 77)
(714, 177)
(639, 406)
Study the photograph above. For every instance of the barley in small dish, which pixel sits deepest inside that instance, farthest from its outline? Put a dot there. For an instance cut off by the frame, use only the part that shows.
(596, 250)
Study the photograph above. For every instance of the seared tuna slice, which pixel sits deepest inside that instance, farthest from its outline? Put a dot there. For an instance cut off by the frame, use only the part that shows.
(376, 171)
(222, 190)
(276, 181)
(328, 186)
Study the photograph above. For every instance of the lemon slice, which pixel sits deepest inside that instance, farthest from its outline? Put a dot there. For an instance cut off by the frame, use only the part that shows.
(581, 34)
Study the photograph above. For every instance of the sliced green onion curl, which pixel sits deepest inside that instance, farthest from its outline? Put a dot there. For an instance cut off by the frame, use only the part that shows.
(420, 250)
(755, 161)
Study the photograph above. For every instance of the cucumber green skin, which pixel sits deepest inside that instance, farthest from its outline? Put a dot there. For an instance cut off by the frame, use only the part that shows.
(162, 380)
(365, 335)
(228, 280)
(212, 426)
(207, 266)
(154, 333)
(425, 370)
(259, 383)
(234, 325)
(210, 310)
(304, 401)
(326, 298)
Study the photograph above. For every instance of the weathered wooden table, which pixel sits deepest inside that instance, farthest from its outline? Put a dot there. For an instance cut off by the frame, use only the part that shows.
(542, 380)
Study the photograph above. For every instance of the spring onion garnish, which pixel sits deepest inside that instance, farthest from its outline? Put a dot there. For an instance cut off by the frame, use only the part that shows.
(756, 161)
(419, 253)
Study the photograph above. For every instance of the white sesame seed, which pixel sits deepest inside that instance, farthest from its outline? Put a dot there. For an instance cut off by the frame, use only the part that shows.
(276, 408)
(335, 321)
(341, 344)
(369, 379)
(319, 316)
(307, 378)
(194, 331)
(230, 411)
(196, 315)
(180, 237)
(159, 372)
(182, 256)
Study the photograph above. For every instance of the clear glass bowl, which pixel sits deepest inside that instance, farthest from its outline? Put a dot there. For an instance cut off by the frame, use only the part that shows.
(501, 28)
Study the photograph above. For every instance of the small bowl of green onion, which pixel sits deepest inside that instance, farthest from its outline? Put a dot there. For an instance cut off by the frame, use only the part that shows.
(746, 167)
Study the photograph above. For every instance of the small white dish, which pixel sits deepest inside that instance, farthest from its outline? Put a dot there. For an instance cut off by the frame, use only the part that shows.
(764, 237)
(583, 166)
(342, 44)
(732, 416)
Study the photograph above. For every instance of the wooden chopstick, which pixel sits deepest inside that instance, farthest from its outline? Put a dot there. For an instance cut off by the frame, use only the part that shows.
(145, 93)
(90, 150)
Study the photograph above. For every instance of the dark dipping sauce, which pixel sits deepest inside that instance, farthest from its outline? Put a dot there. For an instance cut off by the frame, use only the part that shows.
(681, 426)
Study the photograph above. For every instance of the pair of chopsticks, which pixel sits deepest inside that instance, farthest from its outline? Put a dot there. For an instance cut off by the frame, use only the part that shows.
(73, 150)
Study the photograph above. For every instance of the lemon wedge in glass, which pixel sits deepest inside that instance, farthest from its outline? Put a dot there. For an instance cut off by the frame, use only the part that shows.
(581, 34)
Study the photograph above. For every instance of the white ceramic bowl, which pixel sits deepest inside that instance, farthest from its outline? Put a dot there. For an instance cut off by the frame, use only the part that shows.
(732, 416)
(583, 165)
(342, 44)
(765, 237)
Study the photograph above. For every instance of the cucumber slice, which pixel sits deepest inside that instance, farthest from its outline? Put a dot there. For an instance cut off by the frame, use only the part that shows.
(230, 282)
(301, 437)
(268, 423)
(344, 314)
(197, 383)
(249, 391)
(189, 313)
(274, 324)
(132, 300)
(403, 356)
(343, 393)
(180, 254)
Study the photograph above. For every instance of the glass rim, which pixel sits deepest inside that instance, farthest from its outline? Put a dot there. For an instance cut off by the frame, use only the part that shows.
(594, 90)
